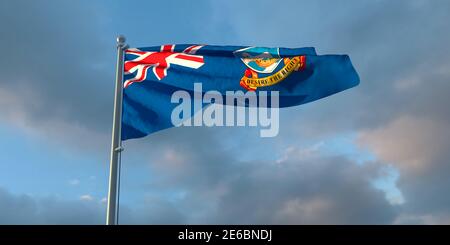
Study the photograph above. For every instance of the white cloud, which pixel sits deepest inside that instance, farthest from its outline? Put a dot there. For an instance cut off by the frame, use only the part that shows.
(74, 182)
(297, 153)
(103, 200)
(86, 197)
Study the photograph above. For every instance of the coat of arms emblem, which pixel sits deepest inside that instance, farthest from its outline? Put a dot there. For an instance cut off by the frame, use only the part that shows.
(262, 64)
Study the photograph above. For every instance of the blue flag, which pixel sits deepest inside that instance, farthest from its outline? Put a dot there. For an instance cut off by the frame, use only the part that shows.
(152, 75)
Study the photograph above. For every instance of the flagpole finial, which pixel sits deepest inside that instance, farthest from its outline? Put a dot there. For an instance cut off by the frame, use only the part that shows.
(121, 41)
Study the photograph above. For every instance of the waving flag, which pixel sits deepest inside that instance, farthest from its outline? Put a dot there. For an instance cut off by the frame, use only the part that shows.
(152, 75)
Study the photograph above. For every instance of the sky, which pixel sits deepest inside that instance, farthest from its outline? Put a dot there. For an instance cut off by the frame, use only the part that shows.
(374, 154)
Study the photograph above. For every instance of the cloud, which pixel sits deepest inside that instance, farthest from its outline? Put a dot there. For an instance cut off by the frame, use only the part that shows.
(104, 200)
(86, 197)
(58, 70)
(74, 182)
(56, 79)
(206, 183)
(26, 209)
(399, 111)
(418, 147)
(305, 192)
(300, 153)
(57, 82)
(409, 143)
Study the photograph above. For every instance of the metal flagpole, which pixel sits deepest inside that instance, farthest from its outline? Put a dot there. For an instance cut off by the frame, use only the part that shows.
(116, 144)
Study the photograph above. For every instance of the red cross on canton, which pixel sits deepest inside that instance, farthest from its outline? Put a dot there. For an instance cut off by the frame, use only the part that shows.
(160, 62)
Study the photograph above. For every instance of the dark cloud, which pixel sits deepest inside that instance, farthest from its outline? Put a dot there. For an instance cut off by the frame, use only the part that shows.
(211, 189)
(59, 65)
(401, 104)
(418, 147)
(401, 53)
(400, 49)
(57, 72)
(305, 192)
(206, 183)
